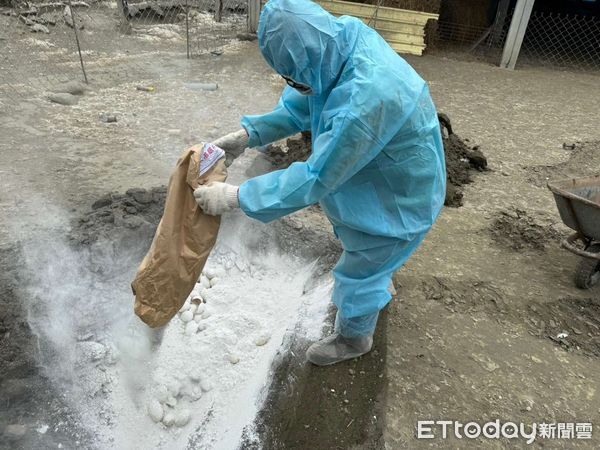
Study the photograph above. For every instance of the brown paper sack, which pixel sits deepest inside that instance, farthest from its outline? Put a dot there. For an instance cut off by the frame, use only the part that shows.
(181, 245)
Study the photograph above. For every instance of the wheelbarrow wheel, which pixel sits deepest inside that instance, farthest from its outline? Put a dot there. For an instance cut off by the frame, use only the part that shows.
(588, 270)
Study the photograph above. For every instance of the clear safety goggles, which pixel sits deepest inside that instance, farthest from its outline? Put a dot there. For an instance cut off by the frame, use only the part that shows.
(302, 88)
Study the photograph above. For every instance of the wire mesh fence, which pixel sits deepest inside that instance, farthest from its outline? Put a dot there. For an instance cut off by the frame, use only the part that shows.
(47, 43)
(557, 40)
(213, 24)
(562, 40)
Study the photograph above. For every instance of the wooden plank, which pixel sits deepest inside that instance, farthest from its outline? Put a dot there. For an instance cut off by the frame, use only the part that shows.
(402, 37)
(362, 9)
(395, 26)
(407, 48)
(405, 27)
(404, 30)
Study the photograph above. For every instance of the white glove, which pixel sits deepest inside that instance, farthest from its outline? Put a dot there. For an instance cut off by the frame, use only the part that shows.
(216, 198)
(234, 143)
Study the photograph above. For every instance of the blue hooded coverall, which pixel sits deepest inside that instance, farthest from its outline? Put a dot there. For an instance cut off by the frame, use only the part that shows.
(377, 165)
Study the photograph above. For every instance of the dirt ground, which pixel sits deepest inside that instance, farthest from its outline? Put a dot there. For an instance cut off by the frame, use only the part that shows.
(473, 332)
(473, 336)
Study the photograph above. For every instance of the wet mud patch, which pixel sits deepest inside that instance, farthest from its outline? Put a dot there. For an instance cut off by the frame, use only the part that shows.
(517, 230)
(296, 148)
(115, 213)
(465, 296)
(463, 160)
(335, 407)
(584, 160)
(572, 323)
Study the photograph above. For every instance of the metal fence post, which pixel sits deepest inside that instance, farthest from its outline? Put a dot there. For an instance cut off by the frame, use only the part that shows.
(75, 26)
(498, 27)
(218, 10)
(187, 28)
(253, 15)
(516, 33)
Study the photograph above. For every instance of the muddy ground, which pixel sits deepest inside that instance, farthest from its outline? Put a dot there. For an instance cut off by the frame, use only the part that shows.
(473, 332)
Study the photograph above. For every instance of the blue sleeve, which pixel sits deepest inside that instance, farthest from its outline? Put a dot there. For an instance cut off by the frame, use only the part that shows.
(345, 147)
(291, 116)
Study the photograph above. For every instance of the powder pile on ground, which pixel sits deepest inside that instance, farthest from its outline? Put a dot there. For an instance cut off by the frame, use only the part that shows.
(203, 385)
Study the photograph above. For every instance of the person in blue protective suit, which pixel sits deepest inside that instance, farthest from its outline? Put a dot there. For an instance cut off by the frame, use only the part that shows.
(377, 165)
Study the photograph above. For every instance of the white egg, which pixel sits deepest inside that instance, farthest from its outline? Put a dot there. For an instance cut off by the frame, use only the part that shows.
(233, 358)
(191, 328)
(207, 297)
(161, 393)
(172, 402)
(202, 291)
(174, 387)
(206, 385)
(262, 340)
(196, 394)
(169, 419)
(208, 272)
(182, 418)
(187, 316)
(155, 410)
(205, 282)
(195, 377)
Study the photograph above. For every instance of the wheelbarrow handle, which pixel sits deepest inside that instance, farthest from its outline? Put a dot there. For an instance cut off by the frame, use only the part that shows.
(568, 244)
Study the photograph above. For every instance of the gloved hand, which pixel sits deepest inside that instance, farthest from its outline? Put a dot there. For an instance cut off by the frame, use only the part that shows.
(234, 143)
(216, 198)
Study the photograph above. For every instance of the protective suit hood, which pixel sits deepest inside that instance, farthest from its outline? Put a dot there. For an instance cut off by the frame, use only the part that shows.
(300, 40)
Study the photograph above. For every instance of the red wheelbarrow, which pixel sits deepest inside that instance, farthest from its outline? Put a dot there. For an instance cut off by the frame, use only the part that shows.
(578, 203)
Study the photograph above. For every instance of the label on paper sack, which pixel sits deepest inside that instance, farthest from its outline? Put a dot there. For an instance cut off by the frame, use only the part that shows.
(210, 155)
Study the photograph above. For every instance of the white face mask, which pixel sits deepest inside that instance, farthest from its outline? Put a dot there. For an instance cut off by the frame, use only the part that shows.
(302, 88)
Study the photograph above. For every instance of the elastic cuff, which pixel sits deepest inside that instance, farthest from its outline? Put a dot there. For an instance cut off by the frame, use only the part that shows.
(232, 198)
(253, 137)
